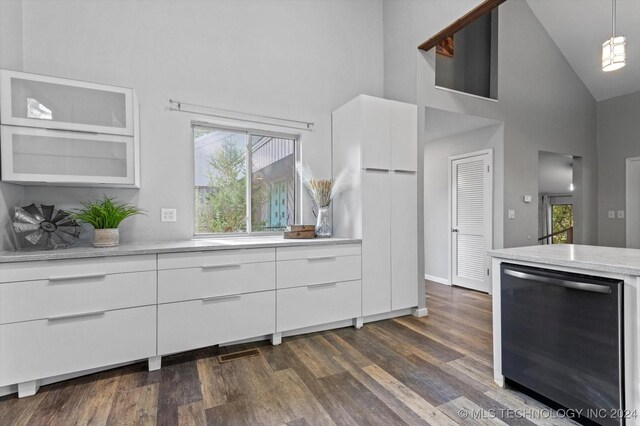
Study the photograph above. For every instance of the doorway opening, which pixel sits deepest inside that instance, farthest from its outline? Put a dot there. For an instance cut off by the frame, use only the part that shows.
(463, 197)
(558, 197)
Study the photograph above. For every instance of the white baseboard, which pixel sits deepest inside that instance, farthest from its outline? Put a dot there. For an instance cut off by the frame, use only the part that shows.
(436, 279)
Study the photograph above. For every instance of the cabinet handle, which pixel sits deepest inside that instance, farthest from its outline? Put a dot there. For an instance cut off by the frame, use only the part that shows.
(410, 172)
(224, 266)
(77, 277)
(84, 314)
(375, 169)
(227, 297)
(316, 259)
(322, 285)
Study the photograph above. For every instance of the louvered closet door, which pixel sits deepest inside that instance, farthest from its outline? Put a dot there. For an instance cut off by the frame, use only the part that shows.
(470, 220)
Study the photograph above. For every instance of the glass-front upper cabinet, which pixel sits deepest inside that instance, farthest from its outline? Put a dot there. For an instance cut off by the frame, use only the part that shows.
(34, 100)
(41, 156)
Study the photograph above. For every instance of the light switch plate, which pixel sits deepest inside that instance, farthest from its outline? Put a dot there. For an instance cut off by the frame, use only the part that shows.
(527, 198)
(512, 214)
(612, 214)
(168, 215)
(620, 214)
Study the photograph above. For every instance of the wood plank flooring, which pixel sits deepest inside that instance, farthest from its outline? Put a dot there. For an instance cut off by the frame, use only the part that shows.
(406, 371)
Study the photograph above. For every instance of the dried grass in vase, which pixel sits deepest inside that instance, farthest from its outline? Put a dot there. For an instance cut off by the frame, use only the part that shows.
(322, 190)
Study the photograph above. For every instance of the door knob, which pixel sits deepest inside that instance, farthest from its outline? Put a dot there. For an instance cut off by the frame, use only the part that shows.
(454, 229)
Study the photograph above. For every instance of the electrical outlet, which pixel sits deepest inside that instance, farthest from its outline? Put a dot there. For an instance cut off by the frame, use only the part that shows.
(620, 214)
(611, 214)
(168, 215)
(512, 214)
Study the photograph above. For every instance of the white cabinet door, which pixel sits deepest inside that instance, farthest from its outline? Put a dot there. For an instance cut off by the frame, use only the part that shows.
(31, 155)
(404, 136)
(50, 347)
(34, 100)
(404, 240)
(375, 133)
(376, 243)
(318, 304)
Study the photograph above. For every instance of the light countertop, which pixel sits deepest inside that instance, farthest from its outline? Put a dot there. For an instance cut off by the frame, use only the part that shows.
(195, 245)
(592, 258)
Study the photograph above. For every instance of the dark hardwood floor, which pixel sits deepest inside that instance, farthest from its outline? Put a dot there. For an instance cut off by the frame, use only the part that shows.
(413, 371)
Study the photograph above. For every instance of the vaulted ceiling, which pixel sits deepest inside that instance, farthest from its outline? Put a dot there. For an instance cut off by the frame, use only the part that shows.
(579, 27)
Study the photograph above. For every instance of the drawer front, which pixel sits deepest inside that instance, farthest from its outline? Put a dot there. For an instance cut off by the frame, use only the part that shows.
(75, 268)
(177, 285)
(31, 300)
(199, 323)
(291, 253)
(318, 269)
(39, 349)
(314, 305)
(213, 258)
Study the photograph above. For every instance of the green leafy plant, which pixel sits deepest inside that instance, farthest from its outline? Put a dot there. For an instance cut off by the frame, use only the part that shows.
(106, 213)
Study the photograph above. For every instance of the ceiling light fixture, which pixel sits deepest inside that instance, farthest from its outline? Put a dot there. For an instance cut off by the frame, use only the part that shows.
(614, 50)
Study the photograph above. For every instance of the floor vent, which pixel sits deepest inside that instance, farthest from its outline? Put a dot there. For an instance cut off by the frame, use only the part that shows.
(238, 355)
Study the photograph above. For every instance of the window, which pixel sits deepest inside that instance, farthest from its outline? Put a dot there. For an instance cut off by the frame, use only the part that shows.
(245, 181)
(562, 218)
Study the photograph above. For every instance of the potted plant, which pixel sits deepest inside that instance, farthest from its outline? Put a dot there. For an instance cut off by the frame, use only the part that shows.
(105, 216)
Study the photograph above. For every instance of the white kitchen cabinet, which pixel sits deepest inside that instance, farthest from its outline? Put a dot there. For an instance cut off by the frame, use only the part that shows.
(381, 206)
(40, 156)
(34, 100)
(375, 136)
(210, 321)
(403, 133)
(404, 240)
(376, 243)
(319, 265)
(315, 304)
(33, 350)
(63, 132)
(62, 318)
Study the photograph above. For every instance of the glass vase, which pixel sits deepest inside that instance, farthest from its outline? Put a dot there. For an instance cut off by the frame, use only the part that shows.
(323, 226)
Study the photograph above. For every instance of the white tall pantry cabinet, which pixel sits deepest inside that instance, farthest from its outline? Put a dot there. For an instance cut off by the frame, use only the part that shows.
(376, 139)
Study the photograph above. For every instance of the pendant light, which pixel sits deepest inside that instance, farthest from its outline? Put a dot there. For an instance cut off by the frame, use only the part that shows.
(614, 50)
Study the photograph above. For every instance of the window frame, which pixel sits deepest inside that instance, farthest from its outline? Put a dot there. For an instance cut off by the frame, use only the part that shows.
(248, 132)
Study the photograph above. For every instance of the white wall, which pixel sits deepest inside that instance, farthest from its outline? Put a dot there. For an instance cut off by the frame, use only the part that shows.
(294, 59)
(10, 57)
(618, 139)
(436, 191)
(542, 102)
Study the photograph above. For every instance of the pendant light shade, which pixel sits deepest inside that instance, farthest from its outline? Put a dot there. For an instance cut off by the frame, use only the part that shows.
(614, 53)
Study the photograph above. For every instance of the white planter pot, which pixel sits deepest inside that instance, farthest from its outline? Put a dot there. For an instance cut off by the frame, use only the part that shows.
(106, 237)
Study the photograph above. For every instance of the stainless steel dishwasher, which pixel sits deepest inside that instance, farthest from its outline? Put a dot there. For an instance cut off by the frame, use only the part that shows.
(562, 338)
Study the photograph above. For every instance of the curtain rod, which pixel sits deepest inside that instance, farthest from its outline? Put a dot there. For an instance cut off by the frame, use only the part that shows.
(175, 105)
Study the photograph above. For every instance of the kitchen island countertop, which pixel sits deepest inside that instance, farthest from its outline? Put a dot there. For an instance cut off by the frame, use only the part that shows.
(589, 258)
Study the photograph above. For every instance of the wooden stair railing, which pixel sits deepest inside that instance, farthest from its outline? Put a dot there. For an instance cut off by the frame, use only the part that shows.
(480, 10)
(569, 232)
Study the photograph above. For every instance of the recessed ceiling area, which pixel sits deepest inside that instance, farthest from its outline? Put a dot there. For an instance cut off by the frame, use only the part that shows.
(555, 173)
(579, 27)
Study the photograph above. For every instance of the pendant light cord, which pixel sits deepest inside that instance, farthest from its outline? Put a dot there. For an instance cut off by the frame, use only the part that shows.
(613, 19)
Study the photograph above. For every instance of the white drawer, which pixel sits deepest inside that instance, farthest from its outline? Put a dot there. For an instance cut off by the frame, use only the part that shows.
(39, 349)
(290, 253)
(198, 323)
(211, 258)
(176, 285)
(41, 299)
(55, 269)
(320, 304)
(318, 269)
